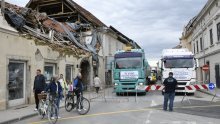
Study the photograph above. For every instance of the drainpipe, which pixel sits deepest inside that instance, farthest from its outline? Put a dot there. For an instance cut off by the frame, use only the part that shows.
(2, 7)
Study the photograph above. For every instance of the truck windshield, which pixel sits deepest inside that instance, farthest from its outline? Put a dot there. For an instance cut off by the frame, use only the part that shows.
(179, 63)
(128, 63)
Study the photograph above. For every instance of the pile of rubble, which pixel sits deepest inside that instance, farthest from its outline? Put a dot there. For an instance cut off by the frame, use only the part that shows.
(60, 36)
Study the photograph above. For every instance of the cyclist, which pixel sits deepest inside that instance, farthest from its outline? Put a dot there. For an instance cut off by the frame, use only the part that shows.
(55, 89)
(78, 85)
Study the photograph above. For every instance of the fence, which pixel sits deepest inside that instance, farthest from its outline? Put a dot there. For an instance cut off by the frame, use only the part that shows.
(193, 87)
(107, 93)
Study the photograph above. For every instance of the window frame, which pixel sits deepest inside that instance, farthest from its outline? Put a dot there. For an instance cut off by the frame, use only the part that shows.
(218, 31)
(197, 46)
(201, 43)
(211, 37)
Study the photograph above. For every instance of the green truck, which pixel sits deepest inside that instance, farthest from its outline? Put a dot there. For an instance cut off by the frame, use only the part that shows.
(130, 69)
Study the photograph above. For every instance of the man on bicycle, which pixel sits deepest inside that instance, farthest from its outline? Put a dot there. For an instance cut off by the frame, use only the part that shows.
(78, 85)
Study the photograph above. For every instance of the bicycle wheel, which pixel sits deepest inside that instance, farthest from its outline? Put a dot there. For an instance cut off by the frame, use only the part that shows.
(52, 113)
(69, 103)
(41, 109)
(83, 106)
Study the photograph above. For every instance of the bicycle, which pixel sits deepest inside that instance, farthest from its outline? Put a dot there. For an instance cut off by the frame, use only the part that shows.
(48, 107)
(82, 104)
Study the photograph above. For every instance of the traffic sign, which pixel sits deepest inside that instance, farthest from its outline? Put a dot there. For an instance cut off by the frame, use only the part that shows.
(205, 67)
(211, 86)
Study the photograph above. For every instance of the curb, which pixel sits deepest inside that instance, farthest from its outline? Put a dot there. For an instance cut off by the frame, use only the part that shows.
(18, 118)
(27, 116)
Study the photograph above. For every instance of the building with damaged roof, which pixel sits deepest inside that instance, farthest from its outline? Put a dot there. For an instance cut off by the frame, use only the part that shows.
(58, 37)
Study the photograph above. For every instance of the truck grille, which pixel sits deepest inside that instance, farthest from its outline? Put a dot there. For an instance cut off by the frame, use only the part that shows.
(180, 88)
(128, 88)
(181, 83)
(128, 84)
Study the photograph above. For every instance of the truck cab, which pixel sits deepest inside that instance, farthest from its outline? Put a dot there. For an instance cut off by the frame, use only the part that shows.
(129, 70)
(183, 65)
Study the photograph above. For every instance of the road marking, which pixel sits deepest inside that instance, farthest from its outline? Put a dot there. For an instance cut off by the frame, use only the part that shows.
(124, 111)
(153, 103)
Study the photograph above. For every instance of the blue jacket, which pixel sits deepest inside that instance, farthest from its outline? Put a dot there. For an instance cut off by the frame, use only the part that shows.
(52, 88)
(77, 83)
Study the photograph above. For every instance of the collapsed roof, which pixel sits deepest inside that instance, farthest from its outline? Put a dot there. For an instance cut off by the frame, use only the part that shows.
(63, 36)
(60, 24)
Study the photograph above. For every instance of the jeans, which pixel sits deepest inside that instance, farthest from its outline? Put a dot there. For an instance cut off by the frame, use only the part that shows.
(36, 97)
(97, 89)
(57, 102)
(170, 97)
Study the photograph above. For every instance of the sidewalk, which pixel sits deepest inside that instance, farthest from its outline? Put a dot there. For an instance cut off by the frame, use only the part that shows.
(25, 111)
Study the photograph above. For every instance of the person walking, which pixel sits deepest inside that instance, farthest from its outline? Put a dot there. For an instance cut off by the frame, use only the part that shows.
(170, 84)
(39, 86)
(63, 84)
(55, 89)
(97, 83)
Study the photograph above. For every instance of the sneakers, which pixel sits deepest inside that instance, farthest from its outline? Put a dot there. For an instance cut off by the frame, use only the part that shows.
(35, 109)
(54, 117)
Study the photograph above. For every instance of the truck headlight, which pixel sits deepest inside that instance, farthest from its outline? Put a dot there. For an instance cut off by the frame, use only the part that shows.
(116, 84)
(141, 83)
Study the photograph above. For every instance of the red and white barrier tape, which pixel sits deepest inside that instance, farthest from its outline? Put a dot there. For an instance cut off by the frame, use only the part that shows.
(161, 87)
(197, 87)
(150, 87)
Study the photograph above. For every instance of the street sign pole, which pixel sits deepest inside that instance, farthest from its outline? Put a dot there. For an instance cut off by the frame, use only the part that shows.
(212, 88)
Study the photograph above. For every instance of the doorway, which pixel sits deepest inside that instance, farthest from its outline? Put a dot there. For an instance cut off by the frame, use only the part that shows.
(85, 71)
(16, 83)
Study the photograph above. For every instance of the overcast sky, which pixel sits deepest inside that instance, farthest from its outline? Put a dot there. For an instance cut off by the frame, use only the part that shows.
(153, 24)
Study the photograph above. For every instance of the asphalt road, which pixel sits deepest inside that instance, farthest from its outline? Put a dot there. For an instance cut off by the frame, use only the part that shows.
(142, 110)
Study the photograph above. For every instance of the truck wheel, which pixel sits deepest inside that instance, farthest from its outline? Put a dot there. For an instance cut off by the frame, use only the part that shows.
(143, 93)
(118, 94)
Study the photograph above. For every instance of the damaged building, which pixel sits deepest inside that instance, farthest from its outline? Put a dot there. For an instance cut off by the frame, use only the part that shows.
(58, 37)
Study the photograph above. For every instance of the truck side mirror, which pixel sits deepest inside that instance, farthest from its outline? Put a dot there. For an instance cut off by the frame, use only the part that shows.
(197, 63)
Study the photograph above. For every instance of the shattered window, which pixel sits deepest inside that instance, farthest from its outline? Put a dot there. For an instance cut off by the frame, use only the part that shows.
(49, 71)
(68, 73)
(16, 80)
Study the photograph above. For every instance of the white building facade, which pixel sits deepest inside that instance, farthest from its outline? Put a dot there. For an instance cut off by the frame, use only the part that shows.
(202, 37)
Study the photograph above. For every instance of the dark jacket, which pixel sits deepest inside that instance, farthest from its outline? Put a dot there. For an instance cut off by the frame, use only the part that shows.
(39, 83)
(170, 84)
(52, 88)
(78, 84)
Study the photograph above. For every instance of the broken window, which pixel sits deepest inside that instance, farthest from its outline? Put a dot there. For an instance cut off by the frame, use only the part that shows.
(16, 80)
(69, 73)
(49, 72)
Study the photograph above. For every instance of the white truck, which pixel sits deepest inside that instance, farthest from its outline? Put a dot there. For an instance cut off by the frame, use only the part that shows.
(183, 65)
